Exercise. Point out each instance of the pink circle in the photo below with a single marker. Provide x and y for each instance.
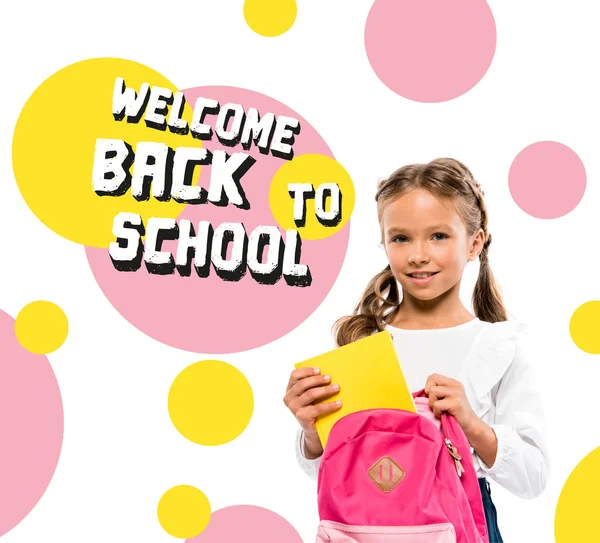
(208, 314)
(247, 523)
(430, 50)
(547, 180)
(31, 426)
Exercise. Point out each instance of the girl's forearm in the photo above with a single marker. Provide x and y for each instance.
(483, 439)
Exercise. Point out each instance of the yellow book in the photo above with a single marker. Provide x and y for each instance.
(369, 375)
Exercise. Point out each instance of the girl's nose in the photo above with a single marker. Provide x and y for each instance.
(418, 255)
(418, 259)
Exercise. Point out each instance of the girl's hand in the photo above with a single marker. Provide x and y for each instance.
(447, 394)
(306, 386)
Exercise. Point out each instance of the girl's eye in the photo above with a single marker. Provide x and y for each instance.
(401, 239)
(439, 236)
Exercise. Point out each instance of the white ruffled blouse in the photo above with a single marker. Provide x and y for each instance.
(492, 362)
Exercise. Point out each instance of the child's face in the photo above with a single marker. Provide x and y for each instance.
(422, 233)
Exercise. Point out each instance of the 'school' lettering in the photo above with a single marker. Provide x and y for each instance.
(208, 246)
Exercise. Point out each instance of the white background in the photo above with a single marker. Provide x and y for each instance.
(120, 450)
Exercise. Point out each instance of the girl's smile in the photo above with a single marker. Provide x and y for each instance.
(422, 278)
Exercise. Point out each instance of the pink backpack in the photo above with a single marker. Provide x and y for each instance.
(389, 475)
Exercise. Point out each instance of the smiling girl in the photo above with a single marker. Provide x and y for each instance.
(433, 222)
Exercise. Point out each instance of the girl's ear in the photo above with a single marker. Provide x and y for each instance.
(477, 241)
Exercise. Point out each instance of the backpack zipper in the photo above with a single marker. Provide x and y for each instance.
(456, 456)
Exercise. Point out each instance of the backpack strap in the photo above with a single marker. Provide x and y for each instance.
(451, 430)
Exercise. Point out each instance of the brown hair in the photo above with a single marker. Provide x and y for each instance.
(447, 179)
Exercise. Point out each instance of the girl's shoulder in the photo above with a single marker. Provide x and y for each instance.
(508, 333)
(495, 350)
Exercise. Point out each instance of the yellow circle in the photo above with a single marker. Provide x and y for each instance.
(312, 170)
(270, 17)
(41, 327)
(585, 327)
(211, 402)
(184, 511)
(577, 508)
(54, 144)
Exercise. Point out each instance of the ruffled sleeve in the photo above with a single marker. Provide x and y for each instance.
(501, 376)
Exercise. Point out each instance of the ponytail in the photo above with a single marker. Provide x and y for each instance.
(372, 312)
(487, 300)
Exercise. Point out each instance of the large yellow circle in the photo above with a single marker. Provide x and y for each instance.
(311, 169)
(270, 17)
(54, 142)
(211, 402)
(41, 327)
(585, 327)
(577, 508)
(184, 511)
